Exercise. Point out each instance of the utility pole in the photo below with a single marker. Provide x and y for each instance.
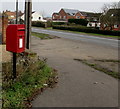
(14, 54)
(28, 16)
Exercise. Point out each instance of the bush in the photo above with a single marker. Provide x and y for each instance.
(38, 24)
(58, 23)
(87, 30)
(49, 24)
(83, 22)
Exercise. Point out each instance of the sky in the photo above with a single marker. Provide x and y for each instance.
(47, 7)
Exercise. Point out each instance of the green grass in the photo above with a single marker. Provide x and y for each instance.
(100, 68)
(16, 93)
(40, 35)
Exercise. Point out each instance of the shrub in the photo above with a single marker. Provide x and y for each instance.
(49, 24)
(58, 23)
(38, 24)
(83, 22)
(87, 30)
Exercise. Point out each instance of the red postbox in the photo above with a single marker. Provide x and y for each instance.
(15, 38)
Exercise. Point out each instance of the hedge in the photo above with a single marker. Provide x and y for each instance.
(58, 23)
(87, 30)
(38, 24)
(83, 22)
(46, 24)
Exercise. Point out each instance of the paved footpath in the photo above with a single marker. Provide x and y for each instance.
(79, 85)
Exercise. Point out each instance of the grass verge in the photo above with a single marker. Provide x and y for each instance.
(33, 75)
(101, 68)
(43, 36)
(40, 35)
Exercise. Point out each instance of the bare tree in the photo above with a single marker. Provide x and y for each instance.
(110, 15)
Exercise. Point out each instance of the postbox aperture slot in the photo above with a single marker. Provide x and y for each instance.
(21, 29)
(20, 36)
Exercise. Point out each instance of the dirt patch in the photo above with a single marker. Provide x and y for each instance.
(107, 66)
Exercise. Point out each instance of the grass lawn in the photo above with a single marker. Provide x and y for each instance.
(33, 75)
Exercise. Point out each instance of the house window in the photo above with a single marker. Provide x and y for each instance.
(64, 17)
(115, 26)
(53, 17)
(39, 18)
(77, 17)
(12, 16)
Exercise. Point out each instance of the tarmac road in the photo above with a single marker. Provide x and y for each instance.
(79, 85)
(82, 37)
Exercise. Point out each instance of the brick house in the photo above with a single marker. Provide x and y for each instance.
(65, 14)
(111, 20)
(12, 16)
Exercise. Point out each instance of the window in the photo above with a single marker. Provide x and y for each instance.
(53, 17)
(64, 17)
(77, 17)
(12, 16)
(39, 18)
(115, 26)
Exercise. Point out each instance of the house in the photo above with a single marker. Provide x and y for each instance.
(65, 14)
(12, 16)
(93, 19)
(35, 17)
(110, 20)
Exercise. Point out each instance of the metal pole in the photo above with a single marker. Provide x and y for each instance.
(28, 29)
(25, 20)
(14, 54)
(16, 11)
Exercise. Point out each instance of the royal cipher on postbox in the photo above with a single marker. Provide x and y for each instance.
(15, 38)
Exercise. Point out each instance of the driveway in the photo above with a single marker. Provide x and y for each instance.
(79, 85)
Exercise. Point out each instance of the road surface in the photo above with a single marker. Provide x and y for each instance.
(85, 38)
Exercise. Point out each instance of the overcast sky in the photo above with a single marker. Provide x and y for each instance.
(47, 8)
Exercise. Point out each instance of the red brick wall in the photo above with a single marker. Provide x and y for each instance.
(55, 17)
(4, 26)
(81, 17)
(63, 14)
(0, 24)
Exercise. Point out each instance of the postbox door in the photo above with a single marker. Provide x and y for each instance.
(21, 39)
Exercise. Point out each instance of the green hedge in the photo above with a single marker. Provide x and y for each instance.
(87, 30)
(83, 22)
(38, 24)
(58, 23)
